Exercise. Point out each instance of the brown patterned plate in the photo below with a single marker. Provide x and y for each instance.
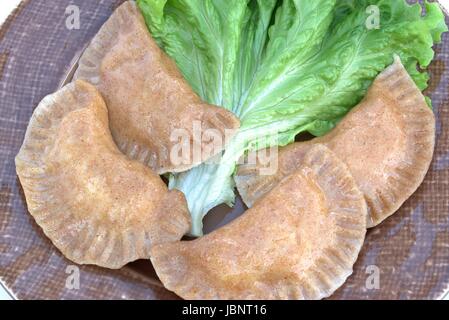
(410, 251)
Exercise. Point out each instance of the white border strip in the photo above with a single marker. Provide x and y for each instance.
(6, 7)
(6, 293)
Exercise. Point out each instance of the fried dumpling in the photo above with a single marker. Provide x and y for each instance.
(300, 241)
(387, 142)
(152, 109)
(96, 205)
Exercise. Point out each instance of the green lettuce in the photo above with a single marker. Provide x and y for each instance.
(283, 67)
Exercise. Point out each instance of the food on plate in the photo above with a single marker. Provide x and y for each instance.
(95, 205)
(145, 101)
(284, 67)
(387, 141)
(149, 100)
(300, 241)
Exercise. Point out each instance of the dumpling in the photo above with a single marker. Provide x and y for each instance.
(300, 241)
(96, 206)
(155, 117)
(387, 142)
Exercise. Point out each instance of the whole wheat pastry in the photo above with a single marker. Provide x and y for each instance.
(95, 204)
(155, 117)
(387, 141)
(299, 241)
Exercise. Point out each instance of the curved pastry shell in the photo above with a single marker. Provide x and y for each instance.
(95, 205)
(387, 141)
(300, 241)
(153, 111)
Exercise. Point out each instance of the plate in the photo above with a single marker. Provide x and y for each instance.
(407, 257)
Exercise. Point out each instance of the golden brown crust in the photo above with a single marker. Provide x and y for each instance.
(252, 185)
(147, 97)
(300, 241)
(387, 141)
(96, 205)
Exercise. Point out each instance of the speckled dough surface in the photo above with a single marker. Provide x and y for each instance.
(145, 111)
(94, 203)
(387, 141)
(299, 241)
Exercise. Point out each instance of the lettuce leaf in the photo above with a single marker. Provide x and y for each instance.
(284, 67)
(216, 44)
